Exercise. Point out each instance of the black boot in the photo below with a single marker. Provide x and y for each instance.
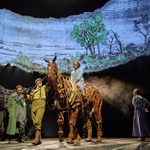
(21, 132)
(3, 137)
(141, 139)
(9, 138)
(20, 139)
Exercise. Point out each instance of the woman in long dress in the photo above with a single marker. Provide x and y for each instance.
(141, 124)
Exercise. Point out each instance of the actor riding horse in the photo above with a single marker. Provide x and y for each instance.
(68, 97)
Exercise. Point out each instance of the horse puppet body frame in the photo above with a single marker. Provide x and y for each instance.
(68, 97)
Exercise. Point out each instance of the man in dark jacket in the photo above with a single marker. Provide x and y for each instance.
(2, 117)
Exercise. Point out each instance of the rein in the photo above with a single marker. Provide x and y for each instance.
(62, 86)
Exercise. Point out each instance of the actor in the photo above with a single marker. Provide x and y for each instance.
(141, 124)
(77, 77)
(3, 113)
(17, 113)
(38, 97)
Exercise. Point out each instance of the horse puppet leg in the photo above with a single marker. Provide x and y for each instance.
(98, 118)
(60, 122)
(72, 127)
(89, 129)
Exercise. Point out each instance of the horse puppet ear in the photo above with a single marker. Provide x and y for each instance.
(54, 59)
(47, 60)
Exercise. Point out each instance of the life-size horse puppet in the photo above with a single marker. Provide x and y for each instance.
(68, 97)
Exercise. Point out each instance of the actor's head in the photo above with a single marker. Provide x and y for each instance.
(136, 91)
(76, 65)
(38, 82)
(19, 89)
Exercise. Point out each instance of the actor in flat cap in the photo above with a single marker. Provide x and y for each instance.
(38, 97)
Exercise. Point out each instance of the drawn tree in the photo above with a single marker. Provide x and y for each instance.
(89, 33)
(118, 43)
(112, 41)
(109, 41)
(142, 25)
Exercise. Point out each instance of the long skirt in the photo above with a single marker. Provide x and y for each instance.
(141, 124)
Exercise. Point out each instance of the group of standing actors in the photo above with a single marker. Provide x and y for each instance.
(17, 109)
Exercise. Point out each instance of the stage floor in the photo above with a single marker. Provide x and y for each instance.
(107, 144)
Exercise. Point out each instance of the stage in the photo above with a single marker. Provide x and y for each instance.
(107, 144)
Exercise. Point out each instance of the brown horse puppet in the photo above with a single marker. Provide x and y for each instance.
(68, 97)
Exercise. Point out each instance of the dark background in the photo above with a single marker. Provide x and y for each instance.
(51, 8)
(115, 123)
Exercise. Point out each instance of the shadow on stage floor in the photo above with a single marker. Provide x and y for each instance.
(106, 144)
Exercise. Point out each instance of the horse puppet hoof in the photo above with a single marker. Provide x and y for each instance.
(97, 142)
(76, 143)
(87, 140)
(69, 142)
(37, 142)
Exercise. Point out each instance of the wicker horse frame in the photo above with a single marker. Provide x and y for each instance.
(68, 97)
